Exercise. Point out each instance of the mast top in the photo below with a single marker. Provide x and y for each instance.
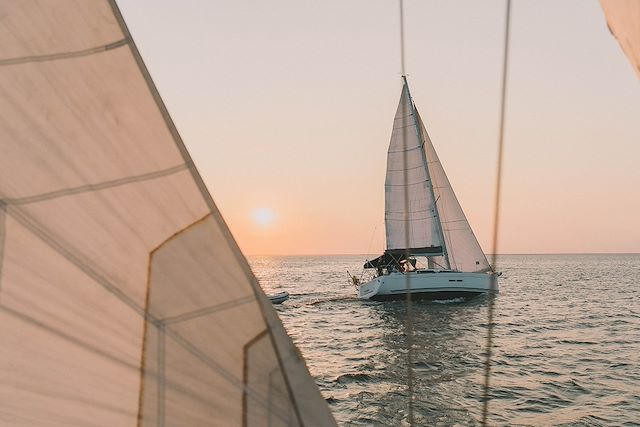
(406, 86)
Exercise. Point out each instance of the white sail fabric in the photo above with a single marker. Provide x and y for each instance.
(124, 299)
(462, 247)
(420, 215)
(623, 19)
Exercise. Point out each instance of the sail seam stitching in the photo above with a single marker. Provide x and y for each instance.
(207, 310)
(403, 151)
(407, 169)
(403, 127)
(2, 234)
(245, 369)
(416, 211)
(65, 55)
(408, 184)
(96, 187)
(410, 219)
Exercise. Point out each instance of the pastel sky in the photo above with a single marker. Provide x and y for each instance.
(286, 107)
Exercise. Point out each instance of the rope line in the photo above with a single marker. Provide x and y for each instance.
(496, 220)
(402, 42)
(405, 174)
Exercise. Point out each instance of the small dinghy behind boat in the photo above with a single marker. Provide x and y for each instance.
(279, 298)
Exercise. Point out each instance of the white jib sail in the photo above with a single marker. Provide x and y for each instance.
(421, 214)
(124, 299)
(463, 250)
(623, 19)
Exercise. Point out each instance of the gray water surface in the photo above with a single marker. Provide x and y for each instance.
(566, 346)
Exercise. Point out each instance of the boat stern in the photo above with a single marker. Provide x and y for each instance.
(369, 289)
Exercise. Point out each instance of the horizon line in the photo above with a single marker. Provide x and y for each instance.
(499, 254)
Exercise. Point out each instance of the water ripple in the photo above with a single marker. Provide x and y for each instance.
(566, 348)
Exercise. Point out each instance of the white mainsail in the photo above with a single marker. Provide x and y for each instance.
(463, 250)
(124, 299)
(623, 19)
(421, 215)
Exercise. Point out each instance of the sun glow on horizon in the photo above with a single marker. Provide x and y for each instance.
(263, 217)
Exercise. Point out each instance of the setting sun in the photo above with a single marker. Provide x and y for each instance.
(264, 217)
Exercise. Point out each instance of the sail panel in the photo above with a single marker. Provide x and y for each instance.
(74, 146)
(463, 250)
(623, 19)
(420, 213)
(124, 299)
(61, 27)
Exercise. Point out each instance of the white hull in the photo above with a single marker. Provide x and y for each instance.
(427, 284)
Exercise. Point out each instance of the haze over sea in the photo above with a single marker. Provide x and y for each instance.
(566, 345)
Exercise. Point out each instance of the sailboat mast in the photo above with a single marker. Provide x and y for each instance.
(426, 167)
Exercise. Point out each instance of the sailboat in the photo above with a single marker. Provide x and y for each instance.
(431, 252)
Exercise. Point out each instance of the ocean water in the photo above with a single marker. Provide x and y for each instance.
(566, 344)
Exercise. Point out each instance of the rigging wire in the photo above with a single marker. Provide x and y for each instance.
(409, 320)
(402, 37)
(368, 253)
(373, 236)
(490, 307)
(496, 220)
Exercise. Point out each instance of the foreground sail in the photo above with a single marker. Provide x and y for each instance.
(424, 221)
(623, 19)
(124, 299)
